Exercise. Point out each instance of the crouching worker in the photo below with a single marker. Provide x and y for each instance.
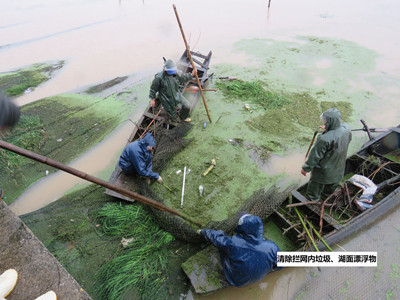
(137, 158)
(245, 257)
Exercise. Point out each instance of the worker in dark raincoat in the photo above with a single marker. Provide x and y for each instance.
(137, 158)
(9, 113)
(245, 257)
(9, 116)
(327, 159)
(165, 85)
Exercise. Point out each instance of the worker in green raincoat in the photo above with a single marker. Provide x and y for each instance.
(327, 159)
(165, 85)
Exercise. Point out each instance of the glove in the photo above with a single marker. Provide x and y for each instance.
(159, 179)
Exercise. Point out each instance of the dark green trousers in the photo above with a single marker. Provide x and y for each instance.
(318, 191)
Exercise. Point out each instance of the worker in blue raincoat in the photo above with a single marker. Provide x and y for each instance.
(245, 257)
(137, 158)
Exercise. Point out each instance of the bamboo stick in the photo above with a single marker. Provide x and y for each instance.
(141, 136)
(305, 227)
(183, 185)
(191, 61)
(319, 236)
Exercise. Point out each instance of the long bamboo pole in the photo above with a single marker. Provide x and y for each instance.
(80, 174)
(191, 61)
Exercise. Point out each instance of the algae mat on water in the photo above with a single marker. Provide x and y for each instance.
(25, 80)
(60, 128)
(233, 139)
(300, 79)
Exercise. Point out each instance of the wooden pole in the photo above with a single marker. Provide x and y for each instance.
(144, 132)
(366, 129)
(80, 174)
(191, 61)
(312, 142)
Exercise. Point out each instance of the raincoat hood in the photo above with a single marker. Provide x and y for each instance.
(246, 257)
(333, 119)
(136, 159)
(250, 228)
(148, 140)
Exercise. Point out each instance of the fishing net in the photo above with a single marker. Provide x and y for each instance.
(169, 142)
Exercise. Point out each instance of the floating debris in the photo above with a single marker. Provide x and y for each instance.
(201, 190)
(125, 242)
(247, 107)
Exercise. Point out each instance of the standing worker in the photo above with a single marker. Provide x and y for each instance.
(327, 159)
(9, 113)
(245, 257)
(165, 85)
(9, 116)
(137, 158)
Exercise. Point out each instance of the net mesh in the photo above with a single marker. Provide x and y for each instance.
(170, 142)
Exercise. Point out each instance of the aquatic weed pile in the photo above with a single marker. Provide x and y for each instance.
(254, 92)
(140, 265)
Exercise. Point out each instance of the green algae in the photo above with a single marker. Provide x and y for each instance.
(291, 67)
(85, 121)
(17, 82)
(274, 233)
(83, 230)
(67, 229)
(236, 141)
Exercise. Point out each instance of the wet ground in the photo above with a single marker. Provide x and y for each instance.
(333, 49)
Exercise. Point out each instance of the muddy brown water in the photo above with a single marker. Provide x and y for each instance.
(101, 40)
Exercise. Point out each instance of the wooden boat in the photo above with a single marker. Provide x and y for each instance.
(152, 117)
(378, 159)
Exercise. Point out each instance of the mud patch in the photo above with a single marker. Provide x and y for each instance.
(103, 86)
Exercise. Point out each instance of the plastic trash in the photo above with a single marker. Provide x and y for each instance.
(247, 107)
(362, 205)
(369, 189)
(201, 190)
(178, 172)
(204, 125)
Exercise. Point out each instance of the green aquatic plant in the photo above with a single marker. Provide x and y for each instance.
(137, 267)
(254, 92)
